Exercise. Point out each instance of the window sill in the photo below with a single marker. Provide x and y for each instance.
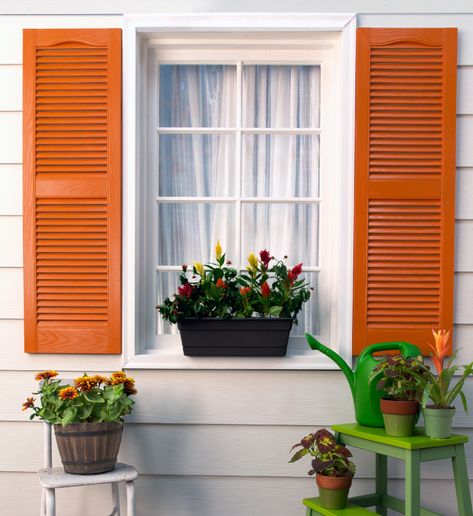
(156, 360)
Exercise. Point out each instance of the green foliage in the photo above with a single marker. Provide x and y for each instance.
(268, 288)
(91, 399)
(438, 387)
(330, 458)
(402, 378)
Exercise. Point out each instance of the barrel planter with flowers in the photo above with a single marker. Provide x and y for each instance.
(87, 417)
(223, 312)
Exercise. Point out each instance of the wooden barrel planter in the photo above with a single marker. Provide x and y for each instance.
(88, 448)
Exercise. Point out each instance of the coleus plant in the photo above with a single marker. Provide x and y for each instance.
(267, 288)
(401, 378)
(330, 458)
(91, 399)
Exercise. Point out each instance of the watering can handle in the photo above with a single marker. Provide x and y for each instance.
(405, 348)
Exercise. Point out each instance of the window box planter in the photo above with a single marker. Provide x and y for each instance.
(249, 337)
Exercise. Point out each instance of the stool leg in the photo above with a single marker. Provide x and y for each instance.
(412, 507)
(116, 499)
(50, 502)
(381, 481)
(130, 498)
(462, 483)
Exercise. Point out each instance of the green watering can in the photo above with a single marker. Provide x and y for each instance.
(363, 388)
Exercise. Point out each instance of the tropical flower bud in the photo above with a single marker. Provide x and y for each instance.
(265, 257)
(265, 290)
(218, 250)
(253, 262)
(220, 283)
(185, 290)
(199, 268)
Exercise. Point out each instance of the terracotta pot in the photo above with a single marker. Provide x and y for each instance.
(399, 416)
(88, 448)
(333, 491)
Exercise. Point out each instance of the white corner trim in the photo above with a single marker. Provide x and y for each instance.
(240, 21)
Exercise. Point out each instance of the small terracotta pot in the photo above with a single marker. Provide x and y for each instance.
(333, 491)
(399, 416)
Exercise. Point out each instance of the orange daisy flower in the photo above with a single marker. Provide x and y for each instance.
(45, 375)
(129, 386)
(29, 403)
(117, 377)
(68, 393)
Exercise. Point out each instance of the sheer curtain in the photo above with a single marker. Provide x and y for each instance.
(273, 166)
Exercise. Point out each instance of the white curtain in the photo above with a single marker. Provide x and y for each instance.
(204, 165)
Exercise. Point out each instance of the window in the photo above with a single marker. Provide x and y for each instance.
(239, 138)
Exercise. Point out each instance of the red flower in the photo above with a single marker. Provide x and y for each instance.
(265, 290)
(292, 277)
(265, 257)
(244, 290)
(185, 290)
(297, 269)
(220, 283)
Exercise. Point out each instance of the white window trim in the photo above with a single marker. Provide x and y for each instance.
(280, 22)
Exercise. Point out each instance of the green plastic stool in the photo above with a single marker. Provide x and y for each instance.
(412, 450)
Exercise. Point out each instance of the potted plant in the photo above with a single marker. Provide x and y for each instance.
(223, 312)
(334, 471)
(87, 417)
(438, 417)
(402, 381)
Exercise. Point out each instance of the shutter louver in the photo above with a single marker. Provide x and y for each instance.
(404, 185)
(72, 190)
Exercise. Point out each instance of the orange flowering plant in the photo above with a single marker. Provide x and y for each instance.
(91, 399)
(267, 288)
(438, 387)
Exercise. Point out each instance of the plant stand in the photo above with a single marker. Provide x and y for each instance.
(412, 450)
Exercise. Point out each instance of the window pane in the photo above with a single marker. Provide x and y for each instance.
(308, 317)
(284, 229)
(166, 285)
(197, 95)
(196, 165)
(280, 165)
(281, 96)
(189, 232)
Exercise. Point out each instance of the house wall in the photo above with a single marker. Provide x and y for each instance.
(206, 442)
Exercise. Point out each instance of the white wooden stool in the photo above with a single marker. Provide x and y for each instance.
(56, 478)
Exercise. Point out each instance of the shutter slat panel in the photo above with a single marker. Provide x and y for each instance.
(72, 106)
(405, 166)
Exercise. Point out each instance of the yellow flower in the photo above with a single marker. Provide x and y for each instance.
(253, 262)
(45, 375)
(218, 250)
(199, 268)
(68, 393)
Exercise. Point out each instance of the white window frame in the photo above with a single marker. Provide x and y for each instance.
(341, 298)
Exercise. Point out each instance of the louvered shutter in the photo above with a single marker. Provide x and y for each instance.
(72, 190)
(404, 184)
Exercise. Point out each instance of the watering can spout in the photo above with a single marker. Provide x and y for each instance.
(346, 369)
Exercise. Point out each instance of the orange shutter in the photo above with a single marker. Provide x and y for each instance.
(72, 190)
(404, 184)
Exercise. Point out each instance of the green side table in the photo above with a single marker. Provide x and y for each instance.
(412, 450)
